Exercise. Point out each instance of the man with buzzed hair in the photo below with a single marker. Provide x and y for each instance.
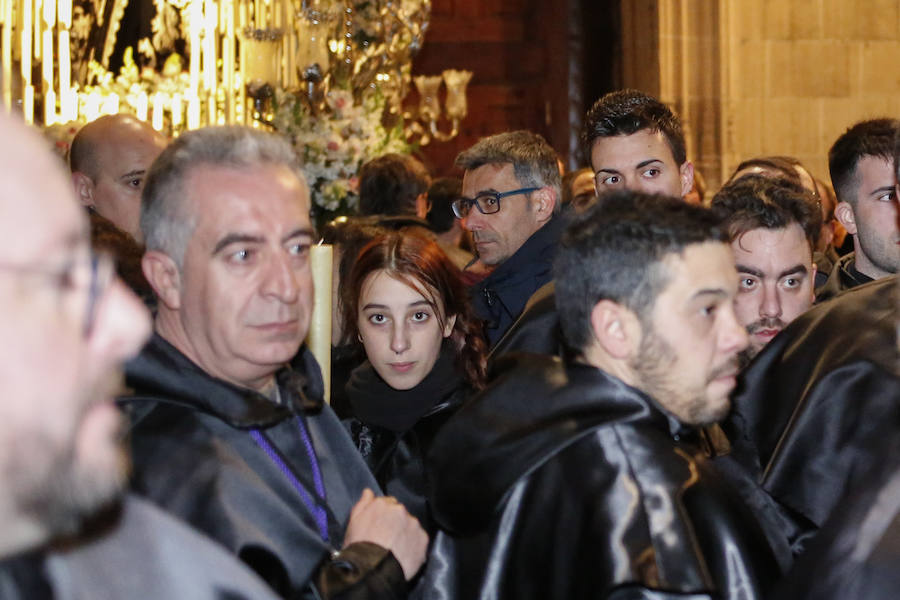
(230, 431)
(862, 172)
(585, 478)
(109, 159)
(636, 142)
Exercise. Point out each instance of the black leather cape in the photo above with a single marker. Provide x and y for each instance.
(563, 482)
(500, 297)
(857, 551)
(810, 405)
(194, 456)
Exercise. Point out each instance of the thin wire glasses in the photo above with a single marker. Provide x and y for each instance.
(94, 274)
(487, 202)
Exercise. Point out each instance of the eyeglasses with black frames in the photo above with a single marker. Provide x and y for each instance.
(487, 202)
(94, 273)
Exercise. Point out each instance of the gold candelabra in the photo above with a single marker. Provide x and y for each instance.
(238, 52)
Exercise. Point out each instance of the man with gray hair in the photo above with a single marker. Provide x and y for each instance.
(226, 433)
(511, 191)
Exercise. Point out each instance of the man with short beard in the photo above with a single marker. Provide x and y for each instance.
(862, 166)
(772, 227)
(587, 479)
(68, 325)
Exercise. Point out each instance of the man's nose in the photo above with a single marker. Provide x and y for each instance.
(121, 327)
(280, 279)
(770, 307)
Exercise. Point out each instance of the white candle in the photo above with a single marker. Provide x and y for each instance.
(92, 106)
(7, 53)
(176, 111)
(228, 60)
(319, 338)
(26, 45)
(196, 49)
(65, 13)
(110, 105)
(47, 63)
(65, 64)
(193, 116)
(49, 15)
(49, 107)
(141, 107)
(37, 29)
(158, 107)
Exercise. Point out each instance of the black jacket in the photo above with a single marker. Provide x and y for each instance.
(195, 454)
(500, 297)
(809, 406)
(566, 483)
(394, 429)
(843, 276)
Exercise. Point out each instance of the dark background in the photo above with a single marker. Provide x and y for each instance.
(537, 65)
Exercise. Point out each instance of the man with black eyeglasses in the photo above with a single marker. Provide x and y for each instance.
(510, 197)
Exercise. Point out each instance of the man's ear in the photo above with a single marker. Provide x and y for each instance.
(84, 188)
(843, 212)
(686, 172)
(544, 201)
(164, 277)
(616, 328)
(423, 205)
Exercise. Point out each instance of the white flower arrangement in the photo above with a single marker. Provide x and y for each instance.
(332, 144)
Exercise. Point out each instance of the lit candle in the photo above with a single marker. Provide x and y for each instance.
(193, 116)
(7, 52)
(92, 106)
(49, 15)
(28, 104)
(110, 105)
(196, 49)
(158, 108)
(49, 107)
(26, 45)
(37, 29)
(47, 63)
(228, 60)
(64, 12)
(319, 338)
(141, 106)
(176, 111)
(65, 70)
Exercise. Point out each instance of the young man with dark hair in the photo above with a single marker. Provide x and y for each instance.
(636, 142)
(772, 228)
(862, 171)
(394, 185)
(596, 462)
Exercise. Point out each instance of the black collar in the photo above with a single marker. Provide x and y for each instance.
(163, 374)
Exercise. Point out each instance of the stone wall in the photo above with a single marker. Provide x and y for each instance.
(755, 77)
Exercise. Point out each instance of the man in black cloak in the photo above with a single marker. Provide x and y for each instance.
(588, 478)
